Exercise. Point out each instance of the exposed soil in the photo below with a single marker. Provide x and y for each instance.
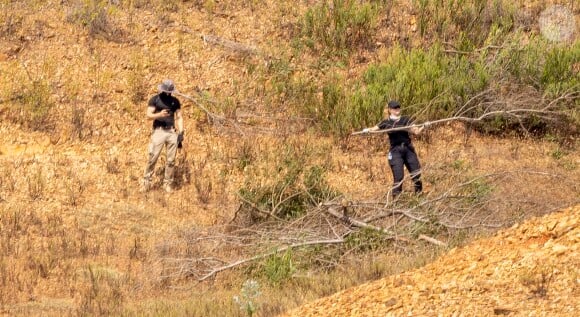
(531, 269)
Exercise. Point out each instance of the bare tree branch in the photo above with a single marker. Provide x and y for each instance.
(358, 223)
(265, 255)
(430, 218)
(211, 115)
(492, 103)
(432, 240)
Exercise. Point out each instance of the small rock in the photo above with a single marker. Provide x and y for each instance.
(559, 249)
(502, 311)
(391, 302)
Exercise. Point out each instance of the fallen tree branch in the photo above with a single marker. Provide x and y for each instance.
(360, 224)
(255, 207)
(515, 107)
(512, 113)
(212, 115)
(265, 255)
(432, 240)
(357, 223)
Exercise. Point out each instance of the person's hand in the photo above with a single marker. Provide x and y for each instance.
(366, 130)
(164, 113)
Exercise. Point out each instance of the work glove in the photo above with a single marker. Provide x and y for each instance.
(180, 140)
(427, 124)
(366, 130)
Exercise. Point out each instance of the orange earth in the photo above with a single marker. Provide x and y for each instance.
(530, 269)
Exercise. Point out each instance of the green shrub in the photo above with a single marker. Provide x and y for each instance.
(283, 197)
(550, 70)
(37, 103)
(337, 27)
(558, 75)
(295, 187)
(279, 267)
(96, 17)
(317, 188)
(540, 64)
(469, 21)
(249, 297)
(431, 85)
(435, 84)
(366, 239)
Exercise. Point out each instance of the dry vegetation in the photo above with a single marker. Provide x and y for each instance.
(264, 166)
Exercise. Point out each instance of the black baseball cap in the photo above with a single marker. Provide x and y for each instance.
(393, 104)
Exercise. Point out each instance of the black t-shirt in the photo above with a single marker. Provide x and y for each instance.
(161, 102)
(397, 137)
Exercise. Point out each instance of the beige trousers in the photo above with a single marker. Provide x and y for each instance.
(159, 138)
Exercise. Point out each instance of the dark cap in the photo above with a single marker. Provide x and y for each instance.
(393, 104)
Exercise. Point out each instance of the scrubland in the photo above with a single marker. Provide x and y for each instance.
(276, 203)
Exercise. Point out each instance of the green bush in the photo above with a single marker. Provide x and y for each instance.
(295, 188)
(367, 239)
(37, 104)
(431, 85)
(96, 17)
(317, 188)
(434, 83)
(279, 267)
(550, 70)
(557, 72)
(470, 21)
(337, 27)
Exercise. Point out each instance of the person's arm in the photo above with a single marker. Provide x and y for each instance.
(152, 115)
(375, 128)
(179, 121)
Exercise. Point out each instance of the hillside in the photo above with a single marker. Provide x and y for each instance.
(264, 160)
(529, 269)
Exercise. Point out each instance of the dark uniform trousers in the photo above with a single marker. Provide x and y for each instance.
(404, 155)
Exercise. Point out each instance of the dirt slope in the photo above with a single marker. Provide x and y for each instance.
(531, 269)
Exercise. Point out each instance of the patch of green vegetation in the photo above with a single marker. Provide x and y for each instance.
(278, 268)
(557, 154)
(478, 190)
(367, 239)
(334, 28)
(37, 104)
(292, 191)
(471, 21)
(91, 14)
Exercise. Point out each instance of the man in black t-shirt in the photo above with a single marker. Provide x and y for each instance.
(402, 153)
(165, 111)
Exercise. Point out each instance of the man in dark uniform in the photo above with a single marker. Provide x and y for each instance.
(165, 111)
(402, 153)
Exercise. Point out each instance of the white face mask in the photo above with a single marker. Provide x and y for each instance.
(394, 117)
